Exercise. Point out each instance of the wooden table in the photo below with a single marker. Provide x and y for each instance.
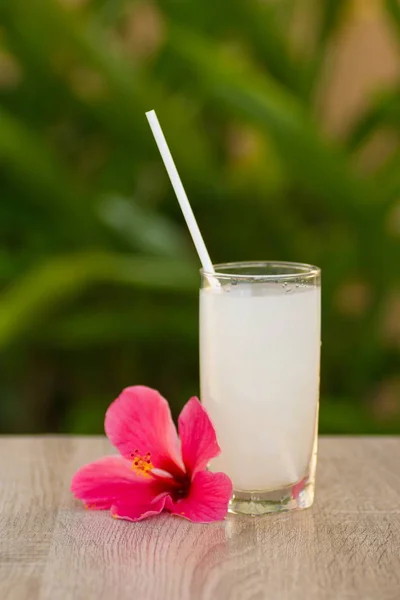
(346, 546)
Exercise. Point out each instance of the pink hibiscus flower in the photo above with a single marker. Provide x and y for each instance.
(156, 471)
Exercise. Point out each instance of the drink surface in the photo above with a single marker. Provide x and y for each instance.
(259, 367)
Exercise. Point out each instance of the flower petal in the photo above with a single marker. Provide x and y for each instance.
(139, 422)
(110, 480)
(208, 498)
(198, 437)
(137, 512)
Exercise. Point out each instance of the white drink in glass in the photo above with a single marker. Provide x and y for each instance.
(259, 356)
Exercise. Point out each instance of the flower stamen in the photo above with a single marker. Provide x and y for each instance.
(142, 465)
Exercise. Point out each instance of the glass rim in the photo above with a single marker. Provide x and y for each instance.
(299, 270)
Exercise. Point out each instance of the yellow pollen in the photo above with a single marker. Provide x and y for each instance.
(142, 465)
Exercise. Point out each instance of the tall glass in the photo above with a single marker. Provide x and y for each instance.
(259, 372)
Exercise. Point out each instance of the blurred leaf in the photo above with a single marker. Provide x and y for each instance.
(393, 8)
(320, 168)
(259, 27)
(347, 417)
(82, 55)
(332, 14)
(388, 180)
(145, 230)
(52, 284)
(26, 155)
(252, 27)
(34, 168)
(104, 327)
(108, 11)
(384, 111)
(22, 153)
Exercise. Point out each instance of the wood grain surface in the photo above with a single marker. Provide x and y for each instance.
(346, 546)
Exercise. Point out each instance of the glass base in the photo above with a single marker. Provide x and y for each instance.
(259, 502)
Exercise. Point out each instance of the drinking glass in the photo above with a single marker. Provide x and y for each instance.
(259, 374)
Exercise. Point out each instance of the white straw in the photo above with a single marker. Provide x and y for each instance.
(180, 192)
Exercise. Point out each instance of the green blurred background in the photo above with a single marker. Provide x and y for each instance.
(283, 117)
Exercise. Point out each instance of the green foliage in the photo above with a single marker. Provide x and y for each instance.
(98, 276)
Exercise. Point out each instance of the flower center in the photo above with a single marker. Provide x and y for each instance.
(182, 489)
(142, 465)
